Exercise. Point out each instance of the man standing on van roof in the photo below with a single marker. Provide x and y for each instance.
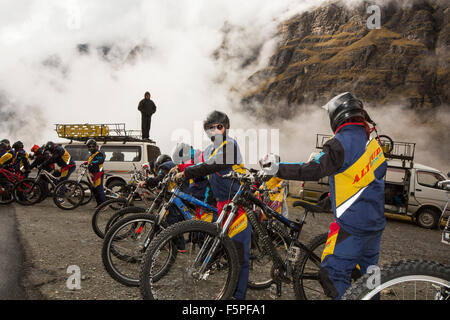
(147, 108)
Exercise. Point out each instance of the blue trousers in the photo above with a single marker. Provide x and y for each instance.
(342, 254)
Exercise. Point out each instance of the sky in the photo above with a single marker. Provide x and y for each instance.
(46, 79)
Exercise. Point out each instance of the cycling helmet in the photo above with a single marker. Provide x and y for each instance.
(270, 163)
(161, 159)
(146, 168)
(92, 142)
(182, 153)
(6, 141)
(17, 145)
(35, 148)
(3, 146)
(49, 145)
(343, 107)
(216, 117)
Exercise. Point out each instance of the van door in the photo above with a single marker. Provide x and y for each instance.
(426, 190)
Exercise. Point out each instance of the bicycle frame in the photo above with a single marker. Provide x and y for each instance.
(11, 176)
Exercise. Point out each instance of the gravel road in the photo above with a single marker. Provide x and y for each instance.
(54, 240)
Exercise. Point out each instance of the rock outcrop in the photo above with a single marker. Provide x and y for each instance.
(331, 49)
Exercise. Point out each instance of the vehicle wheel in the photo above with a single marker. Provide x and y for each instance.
(407, 280)
(27, 192)
(427, 218)
(117, 187)
(122, 213)
(68, 195)
(88, 193)
(306, 271)
(184, 280)
(104, 212)
(387, 144)
(124, 248)
(6, 192)
(260, 261)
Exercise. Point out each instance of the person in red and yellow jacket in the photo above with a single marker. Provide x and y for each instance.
(95, 167)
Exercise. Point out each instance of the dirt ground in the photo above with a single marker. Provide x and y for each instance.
(54, 239)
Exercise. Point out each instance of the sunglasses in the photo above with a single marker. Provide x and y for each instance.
(212, 127)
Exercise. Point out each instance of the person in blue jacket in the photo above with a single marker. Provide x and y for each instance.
(21, 162)
(95, 167)
(356, 166)
(220, 158)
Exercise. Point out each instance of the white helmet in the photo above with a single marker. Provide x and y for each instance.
(270, 163)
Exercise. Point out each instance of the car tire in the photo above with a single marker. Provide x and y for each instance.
(427, 218)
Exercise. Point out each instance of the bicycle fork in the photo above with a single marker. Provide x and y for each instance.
(200, 274)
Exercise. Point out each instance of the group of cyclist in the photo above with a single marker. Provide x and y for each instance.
(353, 161)
(53, 158)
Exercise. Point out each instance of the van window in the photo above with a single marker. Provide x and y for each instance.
(153, 152)
(122, 153)
(428, 179)
(395, 175)
(77, 152)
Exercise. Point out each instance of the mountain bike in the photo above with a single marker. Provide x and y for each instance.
(33, 190)
(209, 269)
(67, 194)
(403, 280)
(129, 237)
(101, 219)
(7, 181)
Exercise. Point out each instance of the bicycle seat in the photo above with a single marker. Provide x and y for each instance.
(321, 206)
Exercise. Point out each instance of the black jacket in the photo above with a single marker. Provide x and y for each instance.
(147, 107)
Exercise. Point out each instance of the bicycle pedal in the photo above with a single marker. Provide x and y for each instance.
(294, 253)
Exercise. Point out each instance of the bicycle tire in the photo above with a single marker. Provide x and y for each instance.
(387, 147)
(114, 267)
(7, 192)
(147, 281)
(314, 244)
(277, 235)
(120, 214)
(101, 209)
(87, 196)
(72, 202)
(400, 272)
(21, 187)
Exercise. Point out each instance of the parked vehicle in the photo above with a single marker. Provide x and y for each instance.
(411, 189)
(123, 148)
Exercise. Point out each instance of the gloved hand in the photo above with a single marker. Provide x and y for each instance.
(142, 184)
(179, 177)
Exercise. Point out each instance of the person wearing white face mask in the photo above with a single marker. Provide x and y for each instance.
(221, 157)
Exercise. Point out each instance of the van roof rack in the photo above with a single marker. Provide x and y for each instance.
(104, 132)
(400, 150)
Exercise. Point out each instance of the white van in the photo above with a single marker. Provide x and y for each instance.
(121, 157)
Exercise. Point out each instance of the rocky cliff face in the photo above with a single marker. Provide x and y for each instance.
(330, 50)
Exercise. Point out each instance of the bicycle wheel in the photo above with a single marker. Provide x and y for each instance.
(306, 271)
(405, 280)
(120, 214)
(184, 279)
(88, 193)
(260, 262)
(6, 192)
(124, 248)
(68, 195)
(104, 212)
(27, 192)
(387, 144)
